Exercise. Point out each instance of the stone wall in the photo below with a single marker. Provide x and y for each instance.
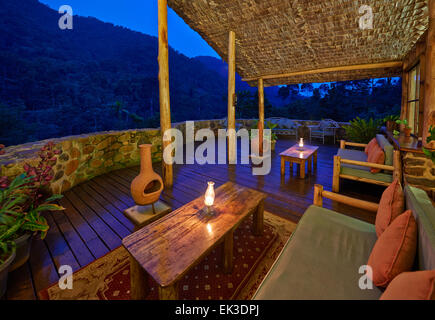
(419, 171)
(84, 157)
(87, 156)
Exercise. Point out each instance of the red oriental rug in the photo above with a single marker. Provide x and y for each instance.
(108, 278)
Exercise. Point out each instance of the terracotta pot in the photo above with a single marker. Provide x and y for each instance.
(407, 132)
(4, 270)
(23, 245)
(147, 186)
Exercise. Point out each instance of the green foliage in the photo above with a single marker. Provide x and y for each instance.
(403, 122)
(391, 117)
(361, 130)
(273, 137)
(396, 133)
(431, 137)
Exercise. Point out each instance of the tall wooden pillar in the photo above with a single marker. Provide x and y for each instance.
(231, 95)
(165, 106)
(260, 114)
(429, 100)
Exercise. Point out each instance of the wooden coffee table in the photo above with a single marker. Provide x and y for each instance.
(301, 157)
(168, 248)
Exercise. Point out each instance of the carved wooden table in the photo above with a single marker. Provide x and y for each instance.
(168, 248)
(301, 157)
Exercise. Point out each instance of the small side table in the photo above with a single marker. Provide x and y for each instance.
(308, 154)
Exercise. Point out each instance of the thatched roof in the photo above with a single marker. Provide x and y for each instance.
(286, 36)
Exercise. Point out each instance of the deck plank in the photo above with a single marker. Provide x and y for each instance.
(93, 223)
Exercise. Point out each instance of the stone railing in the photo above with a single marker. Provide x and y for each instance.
(86, 156)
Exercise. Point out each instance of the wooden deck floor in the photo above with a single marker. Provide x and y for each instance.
(93, 224)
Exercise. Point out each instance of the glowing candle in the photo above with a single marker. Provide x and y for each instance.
(301, 143)
(209, 195)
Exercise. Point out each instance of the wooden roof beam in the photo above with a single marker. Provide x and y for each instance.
(382, 65)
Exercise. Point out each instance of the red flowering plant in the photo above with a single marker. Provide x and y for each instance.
(23, 200)
(2, 151)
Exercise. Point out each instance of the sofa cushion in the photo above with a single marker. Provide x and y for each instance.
(355, 155)
(382, 177)
(376, 155)
(395, 250)
(418, 285)
(370, 145)
(424, 213)
(391, 206)
(387, 147)
(322, 259)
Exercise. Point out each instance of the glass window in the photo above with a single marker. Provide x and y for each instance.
(413, 99)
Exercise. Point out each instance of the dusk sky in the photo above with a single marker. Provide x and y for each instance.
(140, 15)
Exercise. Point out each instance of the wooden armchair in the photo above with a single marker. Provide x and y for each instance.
(350, 164)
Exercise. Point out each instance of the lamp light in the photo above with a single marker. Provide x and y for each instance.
(209, 196)
(301, 143)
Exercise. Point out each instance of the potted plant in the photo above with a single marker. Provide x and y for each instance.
(7, 256)
(431, 137)
(272, 137)
(390, 122)
(404, 127)
(34, 198)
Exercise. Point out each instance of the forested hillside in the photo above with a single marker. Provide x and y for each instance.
(103, 77)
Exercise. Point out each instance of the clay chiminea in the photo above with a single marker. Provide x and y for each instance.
(147, 186)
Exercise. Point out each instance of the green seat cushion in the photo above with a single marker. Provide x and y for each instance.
(383, 177)
(387, 147)
(355, 155)
(424, 213)
(322, 260)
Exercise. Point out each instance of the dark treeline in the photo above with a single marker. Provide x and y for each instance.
(100, 77)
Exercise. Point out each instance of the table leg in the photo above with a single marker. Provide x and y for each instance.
(302, 172)
(258, 218)
(228, 252)
(310, 164)
(291, 167)
(282, 166)
(138, 281)
(169, 293)
(315, 158)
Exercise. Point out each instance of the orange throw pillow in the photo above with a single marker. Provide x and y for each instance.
(391, 206)
(376, 155)
(370, 145)
(394, 251)
(419, 285)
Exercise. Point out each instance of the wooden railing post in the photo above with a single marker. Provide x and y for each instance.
(397, 164)
(260, 115)
(318, 198)
(336, 175)
(165, 107)
(342, 144)
(429, 100)
(232, 96)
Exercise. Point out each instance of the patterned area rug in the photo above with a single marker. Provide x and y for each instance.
(108, 278)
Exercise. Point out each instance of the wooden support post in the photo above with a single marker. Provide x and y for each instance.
(165, 107)
(429, 100)
(260, 114)
(397, 164)
(336, 175)
(318, 198)
(232, 96)
(404, 110)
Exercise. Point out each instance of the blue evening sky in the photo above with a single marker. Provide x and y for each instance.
(140, 15)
